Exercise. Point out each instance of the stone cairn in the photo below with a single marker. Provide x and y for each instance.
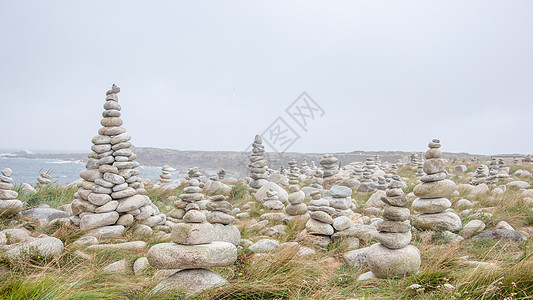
(367, 184)
(111, 192)
(221, 174)
(165, 177)
(393, 256)
(258, 165)
(294, 172)
(44, 179)
(420, 170)
(8, 198)
(329, 215)
(414, 160)
(480, 176)
(432, 192)
(296, 206)
(330, 165)
(194, 173)
(382, 183)
(304, 169)
(193, 249)
(394, 169)
(272, 201)
(219, 216)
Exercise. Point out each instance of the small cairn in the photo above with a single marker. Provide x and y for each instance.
(9, 205)
(367, 184)
(330, 165)
(304, 169)
(219, 216)
(44, 179)
(414, 160)
(221, 174)
(272, 201)
(480, 176)
(393, 256)
(294, 172)
(420, 170)
(165, 177)
(111, 194)
(194, 173)
(382, 183)
(192, 251)
(432, 192)
(329, 216)
(258, 165)
(504, 169)
(296, 206)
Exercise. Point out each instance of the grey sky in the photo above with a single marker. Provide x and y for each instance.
(209, 75)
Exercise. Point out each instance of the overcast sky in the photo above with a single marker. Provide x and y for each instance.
(209, 75)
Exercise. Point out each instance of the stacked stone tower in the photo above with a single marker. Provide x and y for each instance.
(393, 256)
(432, 192)
(8, 198)
(111, 192)
(258, 165)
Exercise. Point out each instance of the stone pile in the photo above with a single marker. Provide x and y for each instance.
(258, 165)
(432, 192)
(329, 215)
(194, 173)
(480, 176)
(420, 170)
(382, 183)
(44, 178)
(193, 249)
(165, 177)
(9, 204)
(393, 256)
(305, 169)
(330, 165)
(414, 160)
(219, 216)
(294, 172)
(296, 206)
(111, 193)
(367, 183)
(221, 174)
(394, 169)
(272, 201)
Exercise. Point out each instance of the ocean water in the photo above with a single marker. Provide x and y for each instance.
(64, 172)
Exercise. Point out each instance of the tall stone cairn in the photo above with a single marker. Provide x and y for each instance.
(258, 165)
(111, 192)
(294, 172)
(330, 165)
(480, 176)
(165, 177)
(193, 249)
(433, 192)
(9, 204)
(393, 256)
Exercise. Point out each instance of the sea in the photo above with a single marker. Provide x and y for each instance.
(26, 170)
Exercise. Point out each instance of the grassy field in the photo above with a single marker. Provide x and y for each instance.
(476, 269)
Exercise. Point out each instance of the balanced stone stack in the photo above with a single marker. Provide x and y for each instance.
(44, 179)
(111, 192)
(165, 177)
(420, 170)
(367, 184)
(480, 176)
(393, 256)
(382, 183)
(193, 249)
(219, 216)
(258, 165)
(330, 165)
(296, 206)
(9, 205)
(221, 174)
(304, 169)
(294, 172)
(394, 169)
(329, 215)
(414, 160)
(272, 201)
(432, 192)
(194, 173)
